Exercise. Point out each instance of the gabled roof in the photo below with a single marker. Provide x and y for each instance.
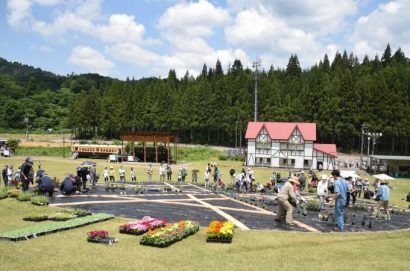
(281, 130)
(326, 148)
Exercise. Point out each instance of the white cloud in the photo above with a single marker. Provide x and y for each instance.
(90, 59)
(18, 12)
(259, 31)
(81, 19)
(47, 2)
(122, 28)
(389, 23)
(193, 18)
(41, 48)
(320, 17)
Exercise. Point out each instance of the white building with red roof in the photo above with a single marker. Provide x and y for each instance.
(287, 145)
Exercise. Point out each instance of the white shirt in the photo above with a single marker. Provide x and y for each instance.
(322, 188)
(121, 171)
(105, 173)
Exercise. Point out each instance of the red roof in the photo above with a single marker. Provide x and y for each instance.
(326, 148)
(281, 130)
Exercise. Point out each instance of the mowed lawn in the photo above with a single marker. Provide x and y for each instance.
(59, 167)
(250, 250)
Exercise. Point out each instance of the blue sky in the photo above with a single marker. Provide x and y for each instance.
(142, 38)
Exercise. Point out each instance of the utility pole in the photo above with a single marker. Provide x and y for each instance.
(256, 65)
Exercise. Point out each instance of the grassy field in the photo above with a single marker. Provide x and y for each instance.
(59, 167)
(250, 250)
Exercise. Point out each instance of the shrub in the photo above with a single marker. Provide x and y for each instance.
(36, 218)
(313, 205)
(14, 193)
(222, 157)
(312, 190)
(61, 217)
(39, 200)
(3, 194)
(77, 212)
(26, 196)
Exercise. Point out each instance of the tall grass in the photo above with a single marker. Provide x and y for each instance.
(44, 151)
(197, 153)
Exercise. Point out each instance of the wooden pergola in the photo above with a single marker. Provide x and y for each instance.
(155, 137)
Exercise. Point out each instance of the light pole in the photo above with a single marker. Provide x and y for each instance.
(256, 65)
(375, 137)
(368, 153)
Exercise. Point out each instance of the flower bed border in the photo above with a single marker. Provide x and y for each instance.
(38, 230)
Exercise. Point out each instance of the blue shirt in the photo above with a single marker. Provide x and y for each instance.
(384, 193)
(341, 187)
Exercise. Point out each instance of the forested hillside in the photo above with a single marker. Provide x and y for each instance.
(339, 95)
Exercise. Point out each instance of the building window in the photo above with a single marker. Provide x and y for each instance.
(306, 163)
(283, 162)
(292, 162)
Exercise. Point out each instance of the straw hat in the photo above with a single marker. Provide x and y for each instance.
(323, 177)
(294, 179)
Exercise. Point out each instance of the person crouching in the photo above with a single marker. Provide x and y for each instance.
(284, 196)
(68, 186)
(45, 184)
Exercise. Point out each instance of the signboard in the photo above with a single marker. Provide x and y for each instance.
(112, 157)
(130, 158)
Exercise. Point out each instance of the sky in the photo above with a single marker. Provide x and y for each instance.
(144, 38)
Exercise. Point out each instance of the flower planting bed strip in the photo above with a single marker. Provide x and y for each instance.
(38, 230)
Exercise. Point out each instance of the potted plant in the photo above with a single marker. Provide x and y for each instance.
(100, 236)
(220, 231)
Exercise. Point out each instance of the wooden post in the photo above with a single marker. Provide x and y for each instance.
(145, 153)
(156, 151)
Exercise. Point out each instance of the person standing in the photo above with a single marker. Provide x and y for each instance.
(10, 173)
(273, 179)
(322, 191)
(150, 171)
(25, 173)
(302, 181)
(121, 173)
(112, 174)
(4, 174)
(162, 172)
(284, 196)
(358, 187)
(133, 174)
(169, 172)
(106, 174)
(207, 174)
(93, 175)
(383, 194)
(341, 189)
(232, 174)
(195, 175)
(184, 173)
